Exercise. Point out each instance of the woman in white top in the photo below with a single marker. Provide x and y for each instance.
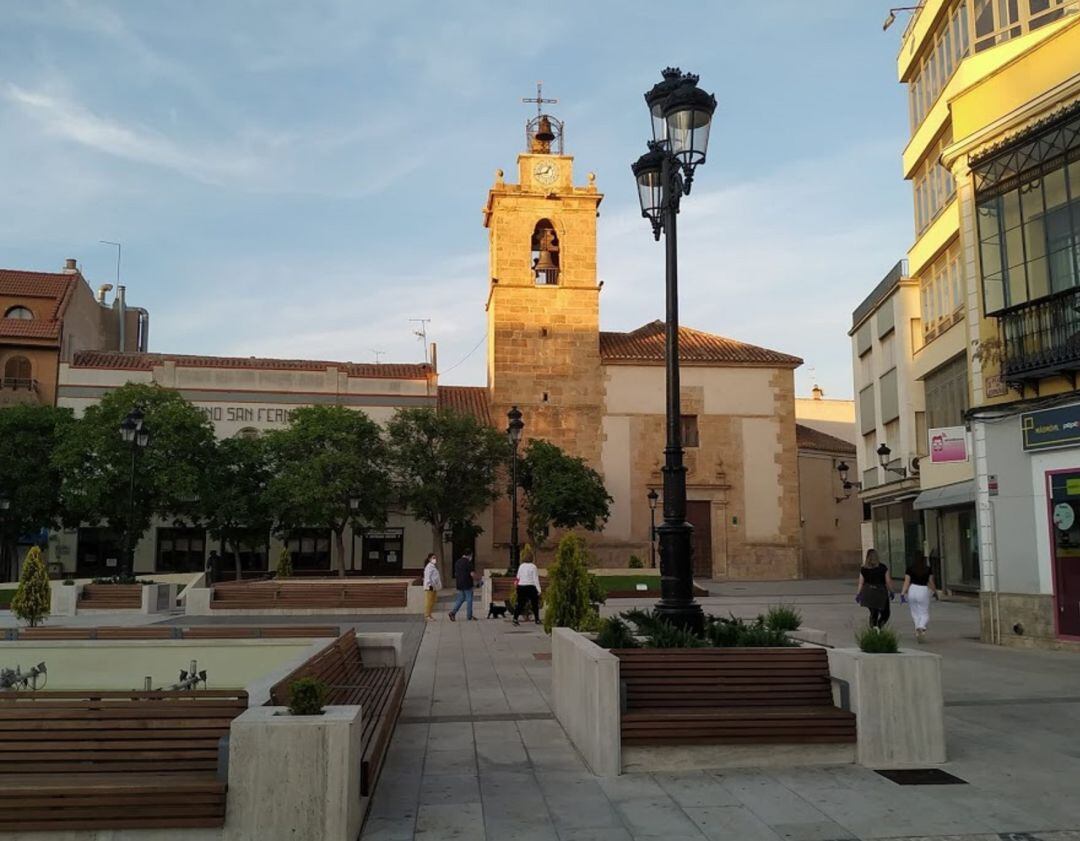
(528, 588)
(432, 585)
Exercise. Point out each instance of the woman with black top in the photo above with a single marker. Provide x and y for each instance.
(875, 589)
(918, 587)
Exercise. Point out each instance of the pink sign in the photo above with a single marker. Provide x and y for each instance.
(948, 444)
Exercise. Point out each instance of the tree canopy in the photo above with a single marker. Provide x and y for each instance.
(326, 457)
(235, 493)
(95, 464)
(445, 466)
(561, 491)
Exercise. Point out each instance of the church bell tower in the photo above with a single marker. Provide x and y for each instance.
(543, 305)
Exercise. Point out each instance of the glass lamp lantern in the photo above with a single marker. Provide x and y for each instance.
(688, 111)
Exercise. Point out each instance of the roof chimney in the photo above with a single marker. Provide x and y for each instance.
(71, 266)
(817, 392)
(102, 291)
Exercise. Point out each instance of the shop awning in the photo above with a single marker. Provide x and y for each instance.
(961, 493)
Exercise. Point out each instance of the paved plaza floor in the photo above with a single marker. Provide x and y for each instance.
(478, 754)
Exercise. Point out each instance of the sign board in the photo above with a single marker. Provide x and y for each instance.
(1048, 428)
(992, 484)
(995, 386)
(948, 444)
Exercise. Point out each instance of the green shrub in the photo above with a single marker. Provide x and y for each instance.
(69, 582)
(597, 590)
(759, 635)
(783, 618)
(645, 621)
(615, 633)
(666, 635)
(307, 696)
(877, 640)
(284, 564)
(723, 633)
(124, 578)
(33, 598)
(568, 593)
(636, 562)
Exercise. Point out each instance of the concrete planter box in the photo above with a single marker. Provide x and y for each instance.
(65, 597)
(197, 603)
(585, 688)
(293, 777)
(898, 704)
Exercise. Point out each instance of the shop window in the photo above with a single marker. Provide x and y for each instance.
(383, 552)
(181, 550)
(98, 552)
(309, 548)
(689, 430)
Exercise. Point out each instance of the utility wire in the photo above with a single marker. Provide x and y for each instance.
(465, 357)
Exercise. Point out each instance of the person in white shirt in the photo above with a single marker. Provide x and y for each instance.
(528, 588)
(432, 585)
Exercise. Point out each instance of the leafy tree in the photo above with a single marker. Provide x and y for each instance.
(445, 466)
(560, 490)
(566, 596)
(234, 497)
(95, 464)
(33, 598)
(29, 483)
(326, 457)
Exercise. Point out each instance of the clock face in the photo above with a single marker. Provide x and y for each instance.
(546, 172)
(1064, 516)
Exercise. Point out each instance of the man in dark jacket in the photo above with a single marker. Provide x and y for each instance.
(463, 580)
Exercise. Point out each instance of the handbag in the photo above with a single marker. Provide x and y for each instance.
(875, 597)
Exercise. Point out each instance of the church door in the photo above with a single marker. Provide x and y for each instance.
(699, 515)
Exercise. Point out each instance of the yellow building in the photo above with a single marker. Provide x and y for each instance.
(994, 158)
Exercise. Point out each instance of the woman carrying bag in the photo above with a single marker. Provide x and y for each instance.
(875, 589)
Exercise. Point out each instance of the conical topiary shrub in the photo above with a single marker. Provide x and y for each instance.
(284, 564)
(33, 599)
(566, 596)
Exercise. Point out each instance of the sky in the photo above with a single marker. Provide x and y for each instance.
(301, 179)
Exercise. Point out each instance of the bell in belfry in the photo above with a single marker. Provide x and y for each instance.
(546, 262)
(543, 130)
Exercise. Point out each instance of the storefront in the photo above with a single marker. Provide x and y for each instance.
(952, 535)
(898, 534)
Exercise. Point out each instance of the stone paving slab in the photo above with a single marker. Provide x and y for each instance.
(478, 754)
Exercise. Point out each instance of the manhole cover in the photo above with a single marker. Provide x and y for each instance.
(922, 777)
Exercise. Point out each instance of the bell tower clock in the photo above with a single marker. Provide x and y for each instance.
(543, 305)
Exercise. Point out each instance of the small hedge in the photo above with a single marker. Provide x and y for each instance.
(636, 562)
(783, 618)
(878, 640)
(307, 696)
(719, 632)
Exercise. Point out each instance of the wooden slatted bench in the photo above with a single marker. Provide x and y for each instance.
(730, 696)
(299, 595)
(378, 690)
(113, 760)
(207, 632)
(110, 597)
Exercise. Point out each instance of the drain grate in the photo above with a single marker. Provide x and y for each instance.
(922, 777)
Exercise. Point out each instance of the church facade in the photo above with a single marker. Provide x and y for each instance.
(600, 395)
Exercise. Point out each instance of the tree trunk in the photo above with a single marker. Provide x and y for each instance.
(236, 559)
(439, 548)
(339, 541)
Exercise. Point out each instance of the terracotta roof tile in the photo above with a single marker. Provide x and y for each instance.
(57, 287)
(807, 438)
(646, 345)
(467, 399)
(16, 328)
(147, 361)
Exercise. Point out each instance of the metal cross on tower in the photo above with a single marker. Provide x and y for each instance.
(539, 100)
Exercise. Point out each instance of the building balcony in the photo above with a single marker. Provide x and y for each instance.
(1041, 338)
(15, 391)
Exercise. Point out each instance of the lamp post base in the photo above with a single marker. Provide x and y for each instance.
(677, 604)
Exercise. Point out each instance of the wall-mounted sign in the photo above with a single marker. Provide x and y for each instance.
(1059, 427)
(994, 386)
(948, 444)
(992, 484)
(255, 415)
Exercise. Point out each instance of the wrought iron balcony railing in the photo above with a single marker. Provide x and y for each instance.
(1041, 338)
(18, 384)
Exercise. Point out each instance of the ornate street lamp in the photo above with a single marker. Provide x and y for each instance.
(883, 454)
(653, 497)
(513, 432)
(681, 114)
(842, 468)
(5, 506)
(135, 432)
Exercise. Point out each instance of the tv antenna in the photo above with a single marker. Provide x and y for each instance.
(378, 355)
(117, 245)
(421, 333)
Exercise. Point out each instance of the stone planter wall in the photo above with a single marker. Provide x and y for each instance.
(898, 704)
(585, 688)
(293, 777)
(65, 597)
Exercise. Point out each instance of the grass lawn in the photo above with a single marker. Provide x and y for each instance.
(630, 582)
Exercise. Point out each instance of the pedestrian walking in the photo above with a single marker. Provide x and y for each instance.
(918, 588)
(464, 580)
(432, 585)
(528, 589)
(875, 589)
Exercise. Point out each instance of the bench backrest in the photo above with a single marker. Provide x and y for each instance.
(382, 594)
(115, 732)
(339, 664)
(724, 677)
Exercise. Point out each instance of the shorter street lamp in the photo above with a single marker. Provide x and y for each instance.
(5, 504)
(842, 468)
(883, 453)
(134, 432)
(513, 431)
(653, 497)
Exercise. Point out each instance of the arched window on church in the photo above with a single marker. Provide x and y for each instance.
(545, 253)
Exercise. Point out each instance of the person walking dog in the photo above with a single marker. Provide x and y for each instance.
(432, 585)
(875, 589)
(528, 589)
(463, 580)
(919, 586)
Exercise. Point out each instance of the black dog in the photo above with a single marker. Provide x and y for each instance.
(496, 611)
